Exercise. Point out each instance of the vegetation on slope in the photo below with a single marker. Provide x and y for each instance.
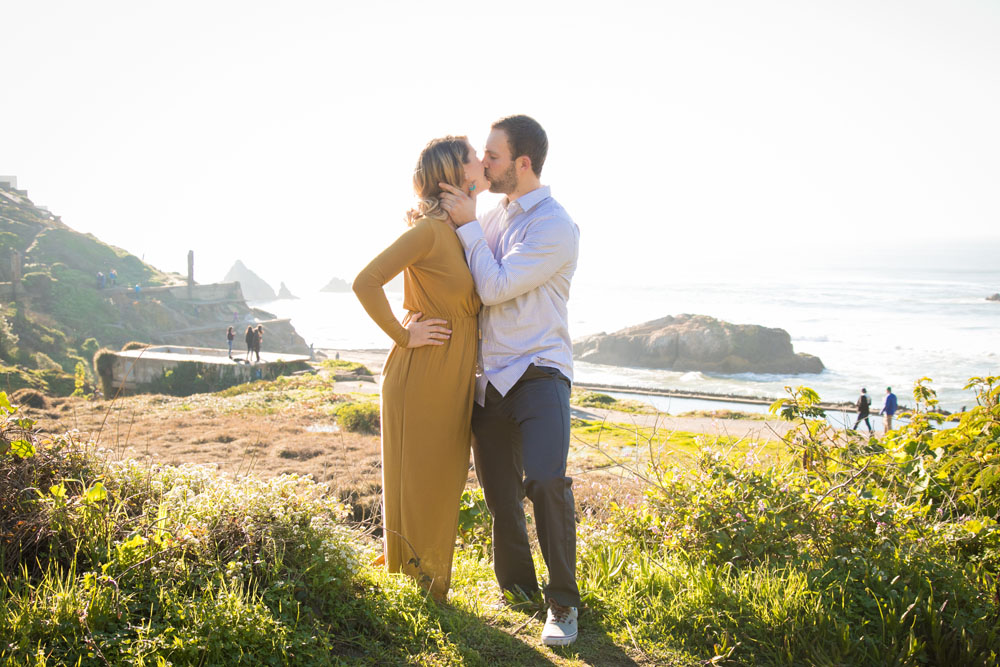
(853, 551)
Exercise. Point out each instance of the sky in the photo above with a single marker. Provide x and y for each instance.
(686, 138)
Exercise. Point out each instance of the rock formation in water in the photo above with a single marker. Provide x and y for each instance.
(994, 297)
(253, 286)
(698, 343)
(337, 285)
(285, 293)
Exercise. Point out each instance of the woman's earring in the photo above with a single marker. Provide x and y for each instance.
(472, 188)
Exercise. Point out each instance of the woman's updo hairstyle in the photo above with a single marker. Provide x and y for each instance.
(440, 162)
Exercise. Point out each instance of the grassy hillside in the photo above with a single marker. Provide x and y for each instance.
(845, 550)
(44, 332)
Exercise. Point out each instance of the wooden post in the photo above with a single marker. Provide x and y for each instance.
(190, 274)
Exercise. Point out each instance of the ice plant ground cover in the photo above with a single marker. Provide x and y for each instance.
(845, 550)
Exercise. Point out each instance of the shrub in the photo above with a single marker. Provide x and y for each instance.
(359, 417)
(38, 284)
(104, 362)
(44, 362)
(30, 397)
(89, 348)
(8, 339)
(475, 525)
(863, 533)
(134, 345)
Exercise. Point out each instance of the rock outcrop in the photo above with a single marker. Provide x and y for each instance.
(254, 287)
(285, 293)
(337, 285)
(994, 297)
(698, 343)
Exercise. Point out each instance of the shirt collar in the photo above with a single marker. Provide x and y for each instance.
(528, 201)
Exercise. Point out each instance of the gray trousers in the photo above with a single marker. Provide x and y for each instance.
(520, 442)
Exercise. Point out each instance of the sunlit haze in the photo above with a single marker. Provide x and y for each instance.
(686, 138)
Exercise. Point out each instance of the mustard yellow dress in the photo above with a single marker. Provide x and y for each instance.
(427, 395)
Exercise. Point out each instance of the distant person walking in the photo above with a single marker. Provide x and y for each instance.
(889, 408)
(249, 337)
(864, 409)
(258, 337)
(113, 277)
(230, 335)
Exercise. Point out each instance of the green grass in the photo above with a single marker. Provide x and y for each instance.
(263, 397)
(593, 399)
(725, 560)
(344, 367)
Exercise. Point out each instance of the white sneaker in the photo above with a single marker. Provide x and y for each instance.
(560, 625)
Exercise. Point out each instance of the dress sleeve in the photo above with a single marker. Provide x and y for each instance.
(409, 248)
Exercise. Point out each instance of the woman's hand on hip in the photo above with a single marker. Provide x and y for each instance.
(460, 206)
(426, 332)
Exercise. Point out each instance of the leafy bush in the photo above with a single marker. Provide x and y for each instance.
(38, 284)
(44, 362)
(122, 563)
(359, 417)
(134, 345)
(893, 534)
(89, 348)
(8, 339)
(30, 397)
(475, 525)
(104, 362)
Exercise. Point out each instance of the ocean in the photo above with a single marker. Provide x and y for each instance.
(874, 325)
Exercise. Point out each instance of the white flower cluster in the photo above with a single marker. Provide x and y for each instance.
(194, 498)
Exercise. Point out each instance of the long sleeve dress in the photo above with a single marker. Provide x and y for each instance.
(427, 395)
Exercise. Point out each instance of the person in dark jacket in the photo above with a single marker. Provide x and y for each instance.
(258, 336)
(864, 409)
(889, 408)
(230, 336)
(250, 336)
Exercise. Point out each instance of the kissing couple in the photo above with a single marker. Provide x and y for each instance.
(483, 358)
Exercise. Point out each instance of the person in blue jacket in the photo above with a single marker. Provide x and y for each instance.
(889, 408)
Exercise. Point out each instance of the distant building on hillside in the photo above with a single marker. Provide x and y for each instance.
(10, 181)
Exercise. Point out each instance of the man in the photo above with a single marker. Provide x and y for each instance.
(864, 405)
(889, 408)
(522, 256)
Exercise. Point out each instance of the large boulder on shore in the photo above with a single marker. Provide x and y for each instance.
(698, 343)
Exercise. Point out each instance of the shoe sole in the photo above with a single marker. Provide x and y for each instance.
(558, 641)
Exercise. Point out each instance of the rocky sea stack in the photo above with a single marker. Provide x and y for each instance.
(254, 287)
(337, 285)
(698, 343)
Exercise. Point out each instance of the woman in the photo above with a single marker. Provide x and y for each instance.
(230, 336)
(428, 378)
(249, 338)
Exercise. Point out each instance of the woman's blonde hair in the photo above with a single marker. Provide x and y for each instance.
(440, 162)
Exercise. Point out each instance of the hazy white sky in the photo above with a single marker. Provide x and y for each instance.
(683, 135)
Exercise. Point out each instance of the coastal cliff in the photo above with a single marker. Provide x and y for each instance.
(67, 293)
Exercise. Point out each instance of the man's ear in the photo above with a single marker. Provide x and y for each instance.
(523, 163)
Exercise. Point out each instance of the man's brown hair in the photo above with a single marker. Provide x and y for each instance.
(525, 137)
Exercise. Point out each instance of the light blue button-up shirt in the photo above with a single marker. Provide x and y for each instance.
(522, 259)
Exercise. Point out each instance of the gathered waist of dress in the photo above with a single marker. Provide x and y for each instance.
(449, 317)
